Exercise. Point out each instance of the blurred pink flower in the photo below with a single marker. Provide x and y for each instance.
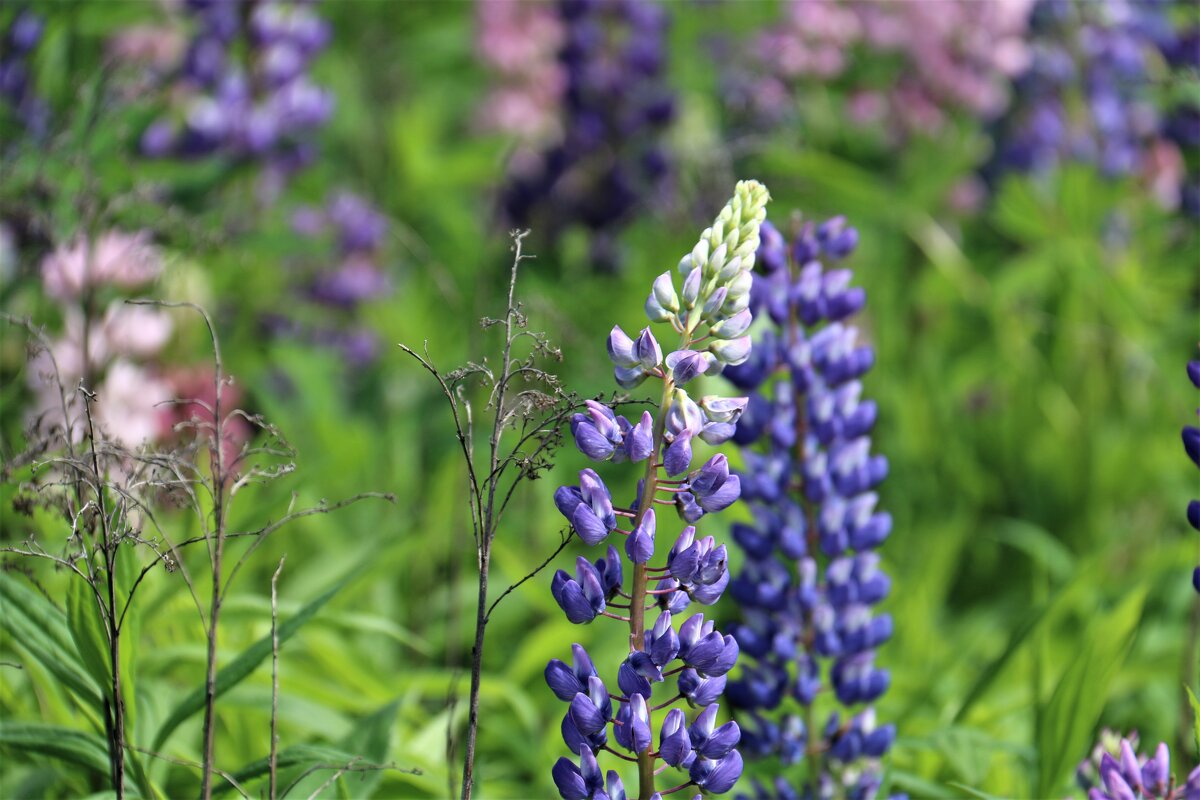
(128, 404)
(127, 260)
(195, 394)
(1164, 171)
(956, 54)
(519, 41)
(158, 47)
(139, 331)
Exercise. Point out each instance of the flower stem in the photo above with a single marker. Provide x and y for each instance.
(637, 612)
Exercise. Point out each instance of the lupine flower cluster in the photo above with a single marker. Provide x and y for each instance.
(115, 350)
(1191, 443)
(358, 231)
(957, 55)
(615, 109)
(108, 351)
(244, 88)
(1116, 771)
(520, 42)
(710, 311)
(1088, 96)
(17, 92)
(1181, 128)
(811, 574)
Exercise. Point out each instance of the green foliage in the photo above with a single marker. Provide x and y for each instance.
(1029, 374)
(1078, 699)
(245, 663)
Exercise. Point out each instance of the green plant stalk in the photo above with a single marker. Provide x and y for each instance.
(217, 458)
(115, 702)
(641, 579)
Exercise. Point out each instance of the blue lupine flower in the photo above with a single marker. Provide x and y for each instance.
(263, 106)
(633, 725)
(640, 544)
(710, 741)
(581, 597)
(717, 776)
(588, 507)
(578, 783)
(809, 580)
(713, 303)
(566, 682)
(18, 94)
(615, 111)
(1085, 95)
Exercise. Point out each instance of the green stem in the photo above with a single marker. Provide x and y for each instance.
(641, 580)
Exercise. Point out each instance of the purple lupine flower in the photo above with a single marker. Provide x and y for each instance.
(582, 597)
(605, 153)
(1191, 444)
(18, 94)
(806, 590)
(695, 568)
(1086, 96)
(566, 682)
(261, 105)
(1117, 771)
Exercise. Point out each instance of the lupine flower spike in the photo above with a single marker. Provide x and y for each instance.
(1116, 771)
(1191, 443)
(810, 575)
(708, 309)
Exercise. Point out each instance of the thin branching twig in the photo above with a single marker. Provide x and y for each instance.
(538, 412)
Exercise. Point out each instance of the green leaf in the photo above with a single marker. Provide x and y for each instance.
(1020, 213)
(1081, 693)
(973, 792)
(41, 630)
(372, 740)
(918, 786)
(1195, 704)
(76, 747)
(241, 667)
(304, 756)
(1040, 545)
(87, 631)
(992, 670)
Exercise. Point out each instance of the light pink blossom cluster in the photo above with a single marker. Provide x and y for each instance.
(519, 40)
(105, 343)
(956, 54)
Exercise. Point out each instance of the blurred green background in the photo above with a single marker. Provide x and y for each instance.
(1030, 373)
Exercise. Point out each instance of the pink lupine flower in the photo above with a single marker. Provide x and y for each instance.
(139, 331)
(126, 260)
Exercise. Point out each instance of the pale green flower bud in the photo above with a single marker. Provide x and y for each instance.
(691, 289)
(664, 292)
(741, 284)
(732, 267)
(735, 305)
(655, 311)
(733, 326)
(713, 304)
(717, 260)
(723, 409)
(700, 253)
(732, 239)
(731, 351)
